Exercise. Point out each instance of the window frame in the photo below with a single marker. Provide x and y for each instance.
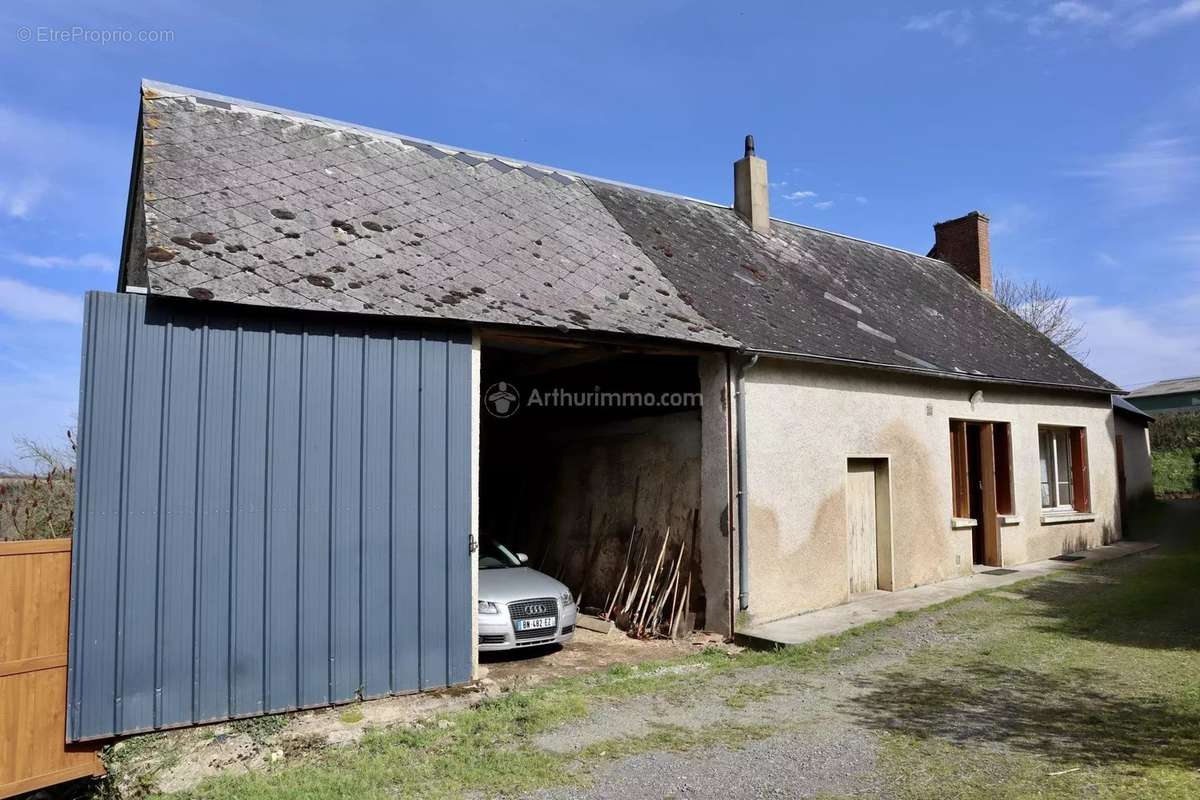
(1057, 443)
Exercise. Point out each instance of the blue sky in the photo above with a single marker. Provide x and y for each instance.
(1075, 126)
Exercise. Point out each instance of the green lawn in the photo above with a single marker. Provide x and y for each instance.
(1087, 685)
(1085, 688)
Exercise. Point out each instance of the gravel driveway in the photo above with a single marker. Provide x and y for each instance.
(817, 746)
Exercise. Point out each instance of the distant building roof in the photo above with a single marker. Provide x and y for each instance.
(1123, 406)
(247, 204)
(1170, 386)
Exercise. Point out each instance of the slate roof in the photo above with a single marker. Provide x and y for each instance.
(247, 204)
(1123, 406)
(1172, 386)
(804, 291)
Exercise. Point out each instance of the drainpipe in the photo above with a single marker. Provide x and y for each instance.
(742, 511)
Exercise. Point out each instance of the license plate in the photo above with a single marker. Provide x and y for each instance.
(536, 623)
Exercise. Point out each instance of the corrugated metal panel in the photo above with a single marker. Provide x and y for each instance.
(273, 513)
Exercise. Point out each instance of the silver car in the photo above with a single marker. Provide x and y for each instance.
(519, 606)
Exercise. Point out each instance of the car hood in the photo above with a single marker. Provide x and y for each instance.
(516, 583)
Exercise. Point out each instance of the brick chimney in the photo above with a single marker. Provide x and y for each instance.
(750, 190)
(963, 243)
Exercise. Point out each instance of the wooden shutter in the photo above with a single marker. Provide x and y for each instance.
(1079, 465)
(958, 468)
(1003, 448)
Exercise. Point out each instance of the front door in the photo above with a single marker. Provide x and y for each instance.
(862, 527)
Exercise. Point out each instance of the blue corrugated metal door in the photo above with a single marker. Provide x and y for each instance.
(273, 513)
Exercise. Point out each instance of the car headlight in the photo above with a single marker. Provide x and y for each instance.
(566, 599)
(486, 607)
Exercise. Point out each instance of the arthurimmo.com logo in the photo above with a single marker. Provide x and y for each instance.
(502, 400)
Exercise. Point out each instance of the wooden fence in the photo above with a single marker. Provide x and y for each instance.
(35, 590)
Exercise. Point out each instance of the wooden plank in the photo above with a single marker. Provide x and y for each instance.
(34, 596)
(32, 664)
(31, 546)
(987, 478)
(63, 775)
(861, 526)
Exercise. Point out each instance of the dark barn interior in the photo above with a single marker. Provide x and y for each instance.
(605, 440)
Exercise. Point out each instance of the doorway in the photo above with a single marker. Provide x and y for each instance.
(868, 525)
(981, 461)
(975, 494)
(590, 451)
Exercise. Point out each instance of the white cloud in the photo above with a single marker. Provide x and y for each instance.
(1129, 345)
(952, 23)
(1082, 13)
(1012, 218)
(1127, 22)
(1186, 245)
(807, 197)
(1156, 169)
(25, 301)
(39, 155)
(19, 198)
(85, 261)
(1152, 23)
(862, 201)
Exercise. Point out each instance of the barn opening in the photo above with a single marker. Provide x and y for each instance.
(590, 460)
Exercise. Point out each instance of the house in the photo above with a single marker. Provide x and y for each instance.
(1176, 394)
(338, 356)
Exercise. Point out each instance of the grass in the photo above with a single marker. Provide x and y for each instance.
(747, 693)
(260, 729)
(1089, 685)
(1176, 472)
(351, 716)
(917, 769)
(128, 758)
(488, 749)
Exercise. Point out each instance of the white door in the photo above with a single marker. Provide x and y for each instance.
(861, 528)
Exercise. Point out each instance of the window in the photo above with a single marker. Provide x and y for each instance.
(1064, 475)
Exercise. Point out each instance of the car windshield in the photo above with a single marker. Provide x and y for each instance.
(493, 555)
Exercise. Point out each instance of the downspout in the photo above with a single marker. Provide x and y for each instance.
(742, 510)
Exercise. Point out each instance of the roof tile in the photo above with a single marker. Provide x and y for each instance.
(319, 215)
